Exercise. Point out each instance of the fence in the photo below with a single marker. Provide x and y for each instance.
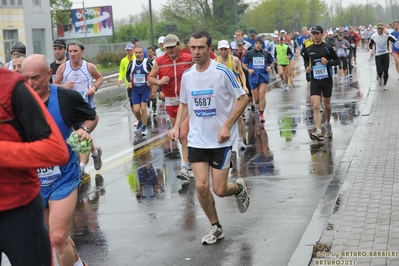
(91, 50)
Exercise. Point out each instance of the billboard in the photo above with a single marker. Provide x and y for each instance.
(98, 23)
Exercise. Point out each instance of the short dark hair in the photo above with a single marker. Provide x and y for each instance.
(19, 56)
(76, 43)
(202, 34)
(151, 48)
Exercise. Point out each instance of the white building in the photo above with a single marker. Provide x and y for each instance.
(28, 21)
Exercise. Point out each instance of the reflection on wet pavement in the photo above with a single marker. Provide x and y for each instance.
(146, 216)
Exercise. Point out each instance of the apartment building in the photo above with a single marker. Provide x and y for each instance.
(28, 21)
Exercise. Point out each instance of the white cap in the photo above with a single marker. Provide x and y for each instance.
(160, 39)
(283, 31)
(223, 44)
(330, 32)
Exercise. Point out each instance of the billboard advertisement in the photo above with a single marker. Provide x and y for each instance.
(98, 23)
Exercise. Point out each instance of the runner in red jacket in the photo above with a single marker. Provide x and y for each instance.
(28, 134)
(167, 72)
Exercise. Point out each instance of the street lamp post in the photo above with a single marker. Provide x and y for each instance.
(235, 14)
(282, 14)
(151, 24)
(84, 19)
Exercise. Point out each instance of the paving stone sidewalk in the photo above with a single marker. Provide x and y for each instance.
(365, 220)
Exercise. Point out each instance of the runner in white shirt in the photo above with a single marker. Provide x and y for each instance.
(208, 95)
(379, 45)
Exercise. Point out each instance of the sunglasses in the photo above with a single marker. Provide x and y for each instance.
(316, 33)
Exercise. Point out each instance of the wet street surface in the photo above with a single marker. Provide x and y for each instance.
(134, 211)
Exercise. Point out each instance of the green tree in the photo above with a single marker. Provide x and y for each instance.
(217, 16)
(289, 15)
(60, 11)
(355, 14)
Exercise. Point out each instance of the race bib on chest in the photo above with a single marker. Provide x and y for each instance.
(320, 72)
(48, 175)
(341, 52)
(258, 62)
(381, 48)
(139, 79)
(396, 44)
(203, 102)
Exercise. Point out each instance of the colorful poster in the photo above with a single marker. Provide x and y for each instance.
(98, 23)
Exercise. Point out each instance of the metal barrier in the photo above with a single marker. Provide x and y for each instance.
(109, 81)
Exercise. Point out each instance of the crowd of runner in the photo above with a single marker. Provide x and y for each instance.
(193, 82)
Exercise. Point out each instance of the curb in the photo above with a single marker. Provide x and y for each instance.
(304, 251)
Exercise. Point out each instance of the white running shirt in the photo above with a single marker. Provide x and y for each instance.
(381, 43)
(211, 97)
(82, 80)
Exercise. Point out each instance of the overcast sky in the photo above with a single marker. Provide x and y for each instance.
(124, 8)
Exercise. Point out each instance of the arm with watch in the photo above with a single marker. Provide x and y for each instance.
(84, 132)
(74, 109)
(96, 75)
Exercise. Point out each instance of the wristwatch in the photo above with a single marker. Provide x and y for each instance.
(86, 129)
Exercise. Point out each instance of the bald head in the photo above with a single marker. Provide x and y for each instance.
(38, 60)
(36, 69)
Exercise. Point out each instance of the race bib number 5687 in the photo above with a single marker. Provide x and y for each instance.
(203, 102)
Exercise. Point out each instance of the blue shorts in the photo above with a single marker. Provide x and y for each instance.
(60, 189)
(141, 95)
(256, 79)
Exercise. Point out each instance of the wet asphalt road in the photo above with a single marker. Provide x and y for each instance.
(135, 212)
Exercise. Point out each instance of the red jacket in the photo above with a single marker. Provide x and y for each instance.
(174, 70)
(356, 36)
(19, 182)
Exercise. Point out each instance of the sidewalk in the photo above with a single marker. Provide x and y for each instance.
(363, 228)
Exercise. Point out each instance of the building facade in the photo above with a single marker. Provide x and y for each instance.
(28, 21)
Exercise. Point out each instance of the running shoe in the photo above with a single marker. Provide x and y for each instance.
(183, 175)
(252, 108)
(261, 118)
(241, 144)
(97, 159)
(329, 133)
(379, 81)
(214, 234)
(385, 87)
(139, 124)
(154, 113)
(144, 131)
(317, 135)
(190, 173)
(242, 199)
